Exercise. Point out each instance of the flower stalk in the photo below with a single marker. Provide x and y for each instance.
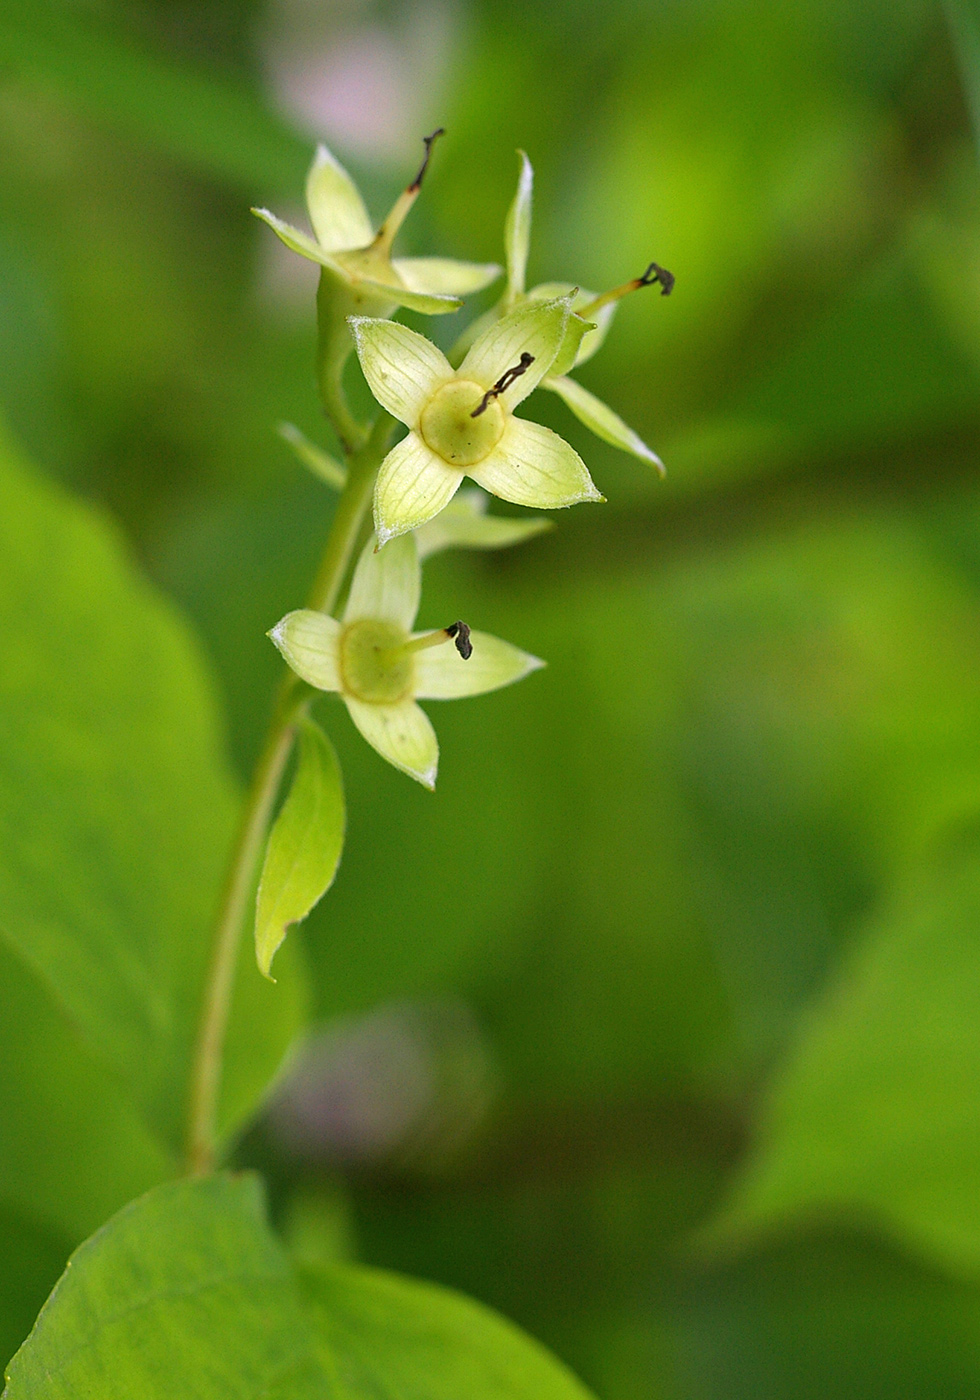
(291, 703)
(205, 1086)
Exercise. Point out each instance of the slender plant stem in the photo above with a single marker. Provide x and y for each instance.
(206, 1075)
(333, 351)
(292, 700)
(351, 509)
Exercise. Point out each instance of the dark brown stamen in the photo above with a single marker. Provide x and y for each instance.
(429, 141)
(460, 634)
(504, 382)
(656, 273)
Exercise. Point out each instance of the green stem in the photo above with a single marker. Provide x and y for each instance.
(206, 1072)
(351, 510)
(291, 702)
(333, 351)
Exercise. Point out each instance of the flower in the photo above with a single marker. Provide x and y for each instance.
(364, 274)
(461, 422)
(591, 411)
(380, 667)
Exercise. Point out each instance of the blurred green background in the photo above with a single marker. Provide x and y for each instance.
(658, 1027)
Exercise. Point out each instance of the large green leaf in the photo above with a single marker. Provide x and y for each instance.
(73, 1148)
(383, 1336)
(186, 1292)
(116, 809)
(875, 1114)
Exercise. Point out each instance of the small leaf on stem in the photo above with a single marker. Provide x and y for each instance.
(304, 847)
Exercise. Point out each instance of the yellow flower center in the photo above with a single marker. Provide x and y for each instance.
(374, 665)
(447, 424)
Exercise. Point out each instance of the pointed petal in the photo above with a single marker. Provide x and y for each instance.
(532, 466)
(372, 293)
(402, 368)
(442, 674)
(336, 208)
(387, 583)
(601, 320)
(535, 327)
(401, 734)
(308, 642)
(413, 485)
(428, 303)
(301, 243)
(601, 420)
(517, 230)
(445, 275)
(464, 524)
(576, 329)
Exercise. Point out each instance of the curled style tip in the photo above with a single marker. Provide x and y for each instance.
(504, 382)
(428, 142)
(656, 273)
(460, 634)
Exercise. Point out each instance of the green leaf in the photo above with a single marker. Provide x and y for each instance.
(116, 808)
(184, 1292)
(872, 1116)
(73, 1148)
(386, 1337)
(187, 1292)
(304, 847)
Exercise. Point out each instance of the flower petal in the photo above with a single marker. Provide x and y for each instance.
(336, 208)
(300, 242)
(600, 320)
(402, 368)
(532, 466)
(442, 674)
(445, 274)
(308, 642)
(534, 327)
(464, 524)
(387, 583)
(601, 420)
(413, 485)
(401, 734)
(370, 293)
(426, 302)
(576, 329)
(517, 230)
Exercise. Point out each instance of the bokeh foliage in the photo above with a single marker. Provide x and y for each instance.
(708, 883)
